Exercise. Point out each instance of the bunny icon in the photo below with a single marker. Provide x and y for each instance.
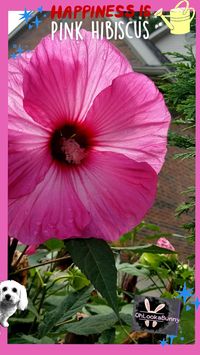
(156, 310)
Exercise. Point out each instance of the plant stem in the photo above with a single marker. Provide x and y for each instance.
(21, 256)
(41, 264)
(42, 299)
(42, 284)
(54, 292)
(40, 306)
(43, 289)
(158, 287)
(11, 252)
(31, 285)
(140, 292)
(58, 279)
(64, 322)
(40, 278)
(160, 278)
(126, 332)
(37, 294)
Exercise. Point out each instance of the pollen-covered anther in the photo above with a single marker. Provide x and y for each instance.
(74, 154)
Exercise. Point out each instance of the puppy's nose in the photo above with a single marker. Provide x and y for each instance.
(7, 297)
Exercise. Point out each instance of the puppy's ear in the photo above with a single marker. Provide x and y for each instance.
(23, 302)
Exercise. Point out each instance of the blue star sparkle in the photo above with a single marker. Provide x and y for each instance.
(171, 337)
(37, 22)
(26, 15)
(185, 293)
(196, 303)
(20, 50)
(13, 56)
(163, 343)
(40, 9)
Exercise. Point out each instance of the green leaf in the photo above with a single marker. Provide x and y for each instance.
(131, 269)
(46, 340)
(127, 309)
(68, 307)
(152, 227)
(29, 339)
(54, 244)
(127, 318)
(107, 337)
(98, 309)
(95, 259)
(24, 339)
(92, 325)
(121, 333)
(77, 279)
(186, 327)
(150, 248)
(32, 309)
(29, 319)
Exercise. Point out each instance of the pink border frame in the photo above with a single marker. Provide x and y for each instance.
(76, 349)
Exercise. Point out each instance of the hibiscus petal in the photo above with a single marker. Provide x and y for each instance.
(116, 191)
(105, 197)
(26, 170)
(52, 210)
(18, 65)
(130, 117)
(29, 157)
(64, 77)
(32, 249)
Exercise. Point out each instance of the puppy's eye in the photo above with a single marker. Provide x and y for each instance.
(14, 290)
(4, 289)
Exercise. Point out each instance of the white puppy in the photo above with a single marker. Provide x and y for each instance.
(13, 296)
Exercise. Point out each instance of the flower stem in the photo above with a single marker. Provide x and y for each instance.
(41, 264)
(11, 252)
(20, 257)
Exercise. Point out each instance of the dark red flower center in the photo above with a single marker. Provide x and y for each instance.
(69, 144)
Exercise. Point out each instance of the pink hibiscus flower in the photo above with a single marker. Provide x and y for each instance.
(164, 243)
(87, 137)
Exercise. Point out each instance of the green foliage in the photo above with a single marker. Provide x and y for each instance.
(180, 141)
(29, 339)
(92, 325)
(107, 336)
(179, 88)
(133, 269)
(95, 258)
(54, 244)
(188, 207)
(183, 274)
(143, 226)
(68, 307)
(56, 299)
(186, 327)
(149, 248)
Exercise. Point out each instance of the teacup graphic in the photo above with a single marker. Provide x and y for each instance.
(179, 18)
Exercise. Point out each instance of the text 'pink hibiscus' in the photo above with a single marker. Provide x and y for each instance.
(87, 137)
